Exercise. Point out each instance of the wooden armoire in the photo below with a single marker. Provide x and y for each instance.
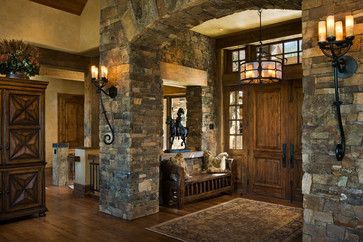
(22, 162)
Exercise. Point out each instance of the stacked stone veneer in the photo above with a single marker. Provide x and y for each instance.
(197, 51)
(333, 191)
(132, 35)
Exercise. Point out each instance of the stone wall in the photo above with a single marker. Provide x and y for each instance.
(194, 50)
(333, 191)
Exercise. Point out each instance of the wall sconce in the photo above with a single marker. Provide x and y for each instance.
(100, 82)
(333, 44)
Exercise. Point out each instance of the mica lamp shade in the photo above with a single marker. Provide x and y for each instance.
(261, 72)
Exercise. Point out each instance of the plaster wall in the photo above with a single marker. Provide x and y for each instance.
(49, 27)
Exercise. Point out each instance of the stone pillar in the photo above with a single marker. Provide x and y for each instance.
(333, 204)
(91, 113)
(194, 117)
(129, 185)
(60, 164)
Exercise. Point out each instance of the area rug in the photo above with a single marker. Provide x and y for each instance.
(237, 220)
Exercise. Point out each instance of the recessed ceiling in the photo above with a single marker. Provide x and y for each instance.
(244, 20)
(70, 6)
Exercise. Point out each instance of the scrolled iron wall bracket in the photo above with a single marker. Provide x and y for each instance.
(343, 67)
(111, 92)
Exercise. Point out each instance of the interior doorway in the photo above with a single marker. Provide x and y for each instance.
(71, 119)
(268, 120)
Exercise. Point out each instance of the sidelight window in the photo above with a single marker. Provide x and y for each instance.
(235, 120)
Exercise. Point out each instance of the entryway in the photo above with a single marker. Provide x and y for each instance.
(263, 130)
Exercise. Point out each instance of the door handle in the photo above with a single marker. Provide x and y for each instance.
(284, 147)
(291, 156)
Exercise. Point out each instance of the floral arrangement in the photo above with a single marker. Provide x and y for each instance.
(18, 57)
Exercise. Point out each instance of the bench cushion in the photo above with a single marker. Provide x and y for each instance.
(206, 176)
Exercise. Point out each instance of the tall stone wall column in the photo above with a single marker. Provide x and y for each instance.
(194, 117)
(129, 167)
(333, 204)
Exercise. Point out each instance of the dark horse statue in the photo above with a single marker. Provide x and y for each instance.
(177, 129)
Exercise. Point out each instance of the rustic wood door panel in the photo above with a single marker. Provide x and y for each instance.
(70, 119)
(267, 173)
(295, 145)
(1, 192)
(23, 134)
(23, 189)
(274, 144)
(268, 118)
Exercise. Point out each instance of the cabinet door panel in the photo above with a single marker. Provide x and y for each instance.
(23, 188)
(23, 135)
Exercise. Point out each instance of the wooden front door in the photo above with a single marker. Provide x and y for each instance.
(274, 144)
(71, 119)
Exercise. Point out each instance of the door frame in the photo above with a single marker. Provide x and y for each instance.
(59, 96)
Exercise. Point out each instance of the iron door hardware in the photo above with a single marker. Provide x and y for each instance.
(284, 147)
(291, 156)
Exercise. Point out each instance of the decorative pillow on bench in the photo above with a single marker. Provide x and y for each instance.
(179, 160)
(215, 163)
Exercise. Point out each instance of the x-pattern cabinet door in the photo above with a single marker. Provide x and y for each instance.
(23, 135)
(23, 188)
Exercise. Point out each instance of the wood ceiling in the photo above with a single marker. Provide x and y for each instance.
(70, 6)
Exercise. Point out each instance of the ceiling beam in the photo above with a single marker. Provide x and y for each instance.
(273, 31)
(70, 6)
(65, 60)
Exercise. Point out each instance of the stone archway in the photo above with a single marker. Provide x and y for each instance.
(132, 34)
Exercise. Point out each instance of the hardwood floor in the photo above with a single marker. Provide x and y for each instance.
(78, 219)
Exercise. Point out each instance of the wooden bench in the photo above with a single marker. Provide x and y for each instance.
(176, 189)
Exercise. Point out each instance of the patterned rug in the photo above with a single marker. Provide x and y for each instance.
(237, 220)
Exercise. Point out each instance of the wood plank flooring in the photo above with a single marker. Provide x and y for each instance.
(78, 219)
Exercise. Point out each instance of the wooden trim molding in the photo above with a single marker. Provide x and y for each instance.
(178, 75)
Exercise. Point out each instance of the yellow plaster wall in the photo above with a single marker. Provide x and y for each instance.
(49, 27)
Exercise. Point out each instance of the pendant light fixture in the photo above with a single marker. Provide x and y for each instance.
(265, 69)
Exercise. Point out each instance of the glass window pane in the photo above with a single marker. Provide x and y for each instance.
(177, 103)
(291, 58)
(240, 127)
(242, 54)
(235, 66)
(239, 112)
(235, 56)
(232, 127)
(232, 98)
(240, 97)
(290, 46)
(239, 142)
(276, 49)
(300, 45)
(232, 112)
(165, 127)
(232, 142)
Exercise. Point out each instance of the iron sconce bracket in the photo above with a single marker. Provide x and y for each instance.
(343, 67)
(111, 92)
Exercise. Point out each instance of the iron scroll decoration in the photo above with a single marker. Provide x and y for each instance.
(111, 92)
(343, 67)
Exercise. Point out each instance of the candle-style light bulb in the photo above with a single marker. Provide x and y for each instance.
(330, 24)
(104, 72)
(94, 72)
(339, 31)
(322, 31)
(349, 26)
